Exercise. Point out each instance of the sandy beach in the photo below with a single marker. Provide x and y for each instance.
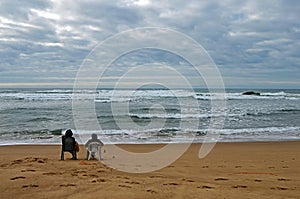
(231, 170)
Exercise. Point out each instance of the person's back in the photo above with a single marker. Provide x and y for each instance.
(94, 139)
(69, 144)
(93, 145)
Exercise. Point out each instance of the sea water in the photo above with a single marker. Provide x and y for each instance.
(39, 116)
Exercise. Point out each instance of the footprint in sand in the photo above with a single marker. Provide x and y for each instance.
(132, 182)
(151, 191)
(92, 175)
(98, 180)
(100, 171)
(190, 180)
(205, 187)
(4, 165)
(18, 177)
(16, 162)
(187, 180)
(239, 186)
(126, 178)
(220, 179)
(124, 186)
(28, 170)
(75, 173)
(67, 185)
(32, 159)
(205, 167)
(283, 179)
(280, 188)
(257, 180)
(51, 174)
(30, 185)
(170, 183)
(101, 180)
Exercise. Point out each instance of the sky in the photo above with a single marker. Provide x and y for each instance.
(254, 44)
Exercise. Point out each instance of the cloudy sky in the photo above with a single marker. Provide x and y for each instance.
(254, 43)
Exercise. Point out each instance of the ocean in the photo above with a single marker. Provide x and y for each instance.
(40, 116)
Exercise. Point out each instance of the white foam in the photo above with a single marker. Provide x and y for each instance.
(127, 95)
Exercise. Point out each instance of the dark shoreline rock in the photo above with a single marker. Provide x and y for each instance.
(251, 93)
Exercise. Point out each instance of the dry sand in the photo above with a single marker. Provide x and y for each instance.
(231, 170)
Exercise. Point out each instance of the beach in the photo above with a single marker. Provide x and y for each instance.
(230, 170)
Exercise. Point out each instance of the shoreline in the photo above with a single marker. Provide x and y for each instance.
(230, 170)
(161, 143)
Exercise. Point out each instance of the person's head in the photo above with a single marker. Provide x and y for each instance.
(69, 133)
(94, 136)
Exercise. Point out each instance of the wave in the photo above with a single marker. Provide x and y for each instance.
(54, 91)
(40, 132)
(166, 109)
(160, 135)
(274, 112)
(174, 131)
(171, 131)
(260, 131)
(240, 96)
(178, 116)
(112, 100)
(36, 96)
(108, 96)
(264, 95)
(40, 119)
(290, 110)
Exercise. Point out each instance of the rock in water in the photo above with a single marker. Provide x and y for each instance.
(251, 93)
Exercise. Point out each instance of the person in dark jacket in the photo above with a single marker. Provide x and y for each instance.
(69, 144)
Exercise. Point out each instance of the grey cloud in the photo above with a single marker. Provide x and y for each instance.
(17, 9)
(252, 35)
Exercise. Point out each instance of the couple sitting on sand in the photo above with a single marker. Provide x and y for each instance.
(70, 145)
